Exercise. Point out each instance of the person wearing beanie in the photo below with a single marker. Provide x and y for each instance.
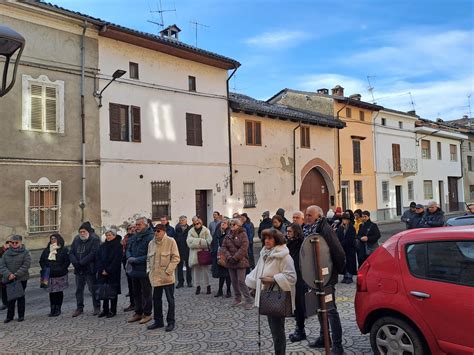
(409, 214)
(56, 257)
(14, 266)
(83, 257)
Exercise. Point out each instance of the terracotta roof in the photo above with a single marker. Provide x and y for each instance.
(247, 104)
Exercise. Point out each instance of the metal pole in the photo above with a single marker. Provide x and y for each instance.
(259, 333)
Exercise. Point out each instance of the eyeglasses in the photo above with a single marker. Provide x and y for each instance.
(15, 243)
(197, 224)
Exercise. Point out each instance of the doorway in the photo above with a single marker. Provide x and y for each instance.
(314, 191)
(201, 205)
(398, 199)
(453, 193)
(441, 194)
(345, 195)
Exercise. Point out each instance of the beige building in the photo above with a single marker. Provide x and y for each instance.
(281, 157)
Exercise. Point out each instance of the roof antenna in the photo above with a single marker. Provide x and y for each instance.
(469, 104)
(411, 101)
(371, 88)
(196, 24)
(160, 11)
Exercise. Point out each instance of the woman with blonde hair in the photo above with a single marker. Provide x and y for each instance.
(199, 238)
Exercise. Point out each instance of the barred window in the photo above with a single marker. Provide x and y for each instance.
(160, 199)
(250, 199)
(358, 196)
(43, 205)
(411, 190)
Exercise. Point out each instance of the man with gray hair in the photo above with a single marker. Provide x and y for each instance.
(298, 218)
(433, 217)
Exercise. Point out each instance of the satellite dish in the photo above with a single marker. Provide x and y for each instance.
(308, 260)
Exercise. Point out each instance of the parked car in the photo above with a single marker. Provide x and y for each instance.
(461, 220)
(415, 293)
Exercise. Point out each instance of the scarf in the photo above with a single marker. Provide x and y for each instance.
(266, 253)
(53, 250)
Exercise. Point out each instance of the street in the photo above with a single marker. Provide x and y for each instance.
(204, 324)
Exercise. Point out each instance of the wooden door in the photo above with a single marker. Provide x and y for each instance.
(201, 205)
(314, 191)
(453, 193)
(398, 199)
(397, 166)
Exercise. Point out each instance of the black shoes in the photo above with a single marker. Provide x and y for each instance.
(110, 315)
(179, 285)
(190, 284)
(219, 294)
(103, 314)
(208, 292)
(169, 327)
(155, 325)
(21, 319)
(8, 320)
(318, 343)
(228, 294)
(298, 335)
(55, 311)
(198, 290)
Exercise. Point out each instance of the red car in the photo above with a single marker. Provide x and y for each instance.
(415, 293)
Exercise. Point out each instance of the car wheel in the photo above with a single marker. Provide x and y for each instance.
(394, 336)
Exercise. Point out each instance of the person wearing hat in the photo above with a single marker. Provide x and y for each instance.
(416, 219)
(408, 215)
(162, 259)
(266, 223)
(368, 238)
(346, 234)
(83, 257)
(14, 266)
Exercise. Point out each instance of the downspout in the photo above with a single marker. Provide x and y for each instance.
(339, 168)
(82, 203)
(294, 158)
(229, 133)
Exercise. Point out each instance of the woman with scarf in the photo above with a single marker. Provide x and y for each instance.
(109, 266)
(275, 266)
(56, 257)
(218, 271)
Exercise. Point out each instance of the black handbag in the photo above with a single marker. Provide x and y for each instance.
(15, 290)
(275, 303)
(105, 291)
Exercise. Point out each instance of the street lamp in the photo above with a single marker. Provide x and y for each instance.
(11, 42)
(117, 74)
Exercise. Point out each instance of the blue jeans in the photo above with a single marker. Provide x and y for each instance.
(81, 281)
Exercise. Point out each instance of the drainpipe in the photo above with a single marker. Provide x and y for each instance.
(339, 168)
(229, 133)
(294, 158)
(82, 203)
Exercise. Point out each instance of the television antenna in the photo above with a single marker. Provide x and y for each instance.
(371, 88)
(411, 101)
(160, 12)
(196, 24)
(469, 104)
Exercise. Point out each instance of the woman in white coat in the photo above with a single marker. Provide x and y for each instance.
(275, 265)
(199, 238)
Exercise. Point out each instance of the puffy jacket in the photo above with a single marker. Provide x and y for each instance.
(235, 245)
(407, 217)
(83, 253)
(163, 258)
(430, 220)
(17, 262)
(138, 250)
(196, 242)
(58, 267)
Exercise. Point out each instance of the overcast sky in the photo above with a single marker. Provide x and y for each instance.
(422, 47)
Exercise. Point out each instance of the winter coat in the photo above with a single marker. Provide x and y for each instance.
(138, 250)
(250, 230)
(415, 221)
(170, 231)
(163, 258)
(277, 264)
(109, 259)
(372, 232)
(58, 267)
(125, 244)
(294, 246)
(431, 220)
(17, 262)
(196, 242)
(236, 246)
(83, 254)
(181, 234)
(347, 238)
(266, 223)
(407, 216)
(217, 241)
(213, 226)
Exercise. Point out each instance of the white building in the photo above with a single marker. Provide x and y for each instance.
(163, 127)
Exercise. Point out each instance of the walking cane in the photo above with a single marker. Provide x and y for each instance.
(259, 334)
(321, 294)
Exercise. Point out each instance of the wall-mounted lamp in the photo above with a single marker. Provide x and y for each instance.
(11, 42)
(117, 74)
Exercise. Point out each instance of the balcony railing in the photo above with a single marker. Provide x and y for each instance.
(403, 166)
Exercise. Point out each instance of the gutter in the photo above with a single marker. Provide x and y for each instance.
(229, 133)
(294, 158)
(82, 203)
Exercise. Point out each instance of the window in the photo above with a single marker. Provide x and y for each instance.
(305, 141)
(453, 152)
(356, 156)
(438, 147)
(471, 192)
(385, 191)
(160, 199)
(348, 112)
(397, 166)
(43, 104)
(469, 163)
(250, 199)
(428, 189)
(253, 133)
(362, 115)
(43, 205)
(384, 121)
(193, 129)
(470, 146)
(358, 197)
(121, 128)
(133, 70)
(445, 261)
(400, 124)
(411, 190)
(192, 83)
(425, 149)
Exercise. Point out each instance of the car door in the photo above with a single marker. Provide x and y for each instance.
(439, 280)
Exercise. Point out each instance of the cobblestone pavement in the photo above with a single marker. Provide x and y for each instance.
(204, 324)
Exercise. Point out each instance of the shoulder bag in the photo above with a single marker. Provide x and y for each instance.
(204, 256)
(15, 290)
(275, 303)
(105, 291)
(44, 277)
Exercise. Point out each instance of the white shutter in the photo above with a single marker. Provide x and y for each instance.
(50, 109)
(36, 94)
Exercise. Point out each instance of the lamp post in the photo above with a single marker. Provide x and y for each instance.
(11, 42)
(117, 74)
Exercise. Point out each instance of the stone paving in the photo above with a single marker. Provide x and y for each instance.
(205, 325)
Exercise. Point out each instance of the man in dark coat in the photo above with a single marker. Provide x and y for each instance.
(181, 233)
(368, 238)
(408, 215)
(315, 222)
(136, 265)
(170, 231)
(416, 219)
(434, 216)
(82, 255)
(281, 212)
(266, 223)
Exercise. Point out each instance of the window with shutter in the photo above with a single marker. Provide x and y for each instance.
(193, 129)
(453, 152)
(425, 149)
(43, 205)
(411, 190)
(192, 83)
(356, 156)
(348, 112)
(305, 142)
(136, 125)
(253, 132)
(397, 166)
(358, 197)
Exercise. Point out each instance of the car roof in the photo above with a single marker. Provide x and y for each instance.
(440, 233)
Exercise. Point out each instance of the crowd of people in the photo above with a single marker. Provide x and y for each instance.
(154, 256)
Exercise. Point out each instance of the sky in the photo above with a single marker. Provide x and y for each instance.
(417, 54)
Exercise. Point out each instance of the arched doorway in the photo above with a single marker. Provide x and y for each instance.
(314, 191)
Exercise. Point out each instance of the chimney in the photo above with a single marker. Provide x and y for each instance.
(355, 97)
(465, 116)
(338, 90)
(439, 120)
(412, 112)
(323, 91)
(170, 32)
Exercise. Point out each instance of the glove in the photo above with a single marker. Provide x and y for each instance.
(131, 260)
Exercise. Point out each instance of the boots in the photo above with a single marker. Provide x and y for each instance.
(53, 310)
(298, 335)
(198, 290)
(57, 311)
(219, 293)
(208, 292)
